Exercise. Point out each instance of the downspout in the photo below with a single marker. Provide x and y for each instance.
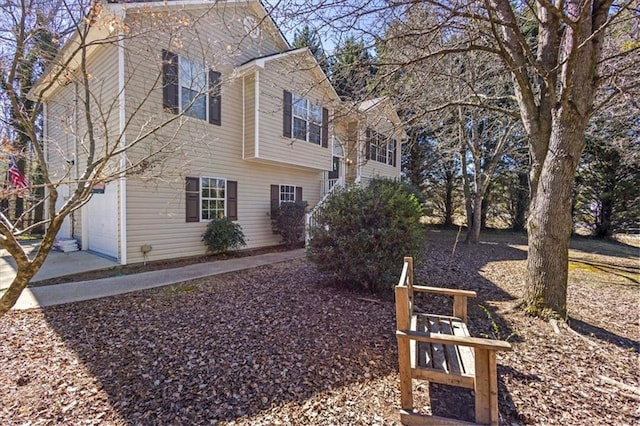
(257, 115)
(243, 116)
(123, 156)
(74, 160)
(45, 149)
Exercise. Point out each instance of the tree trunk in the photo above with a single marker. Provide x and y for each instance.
(521, 194)
(550, 221)
(473, 235)
(467, 191)
(448, 200)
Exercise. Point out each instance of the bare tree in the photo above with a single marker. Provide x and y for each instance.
(554, 54)
(141, 144)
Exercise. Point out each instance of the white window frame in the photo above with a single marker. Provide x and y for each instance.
(283, 186)
(223, 199)
(307, 118)
(383, 145)
(204, 92)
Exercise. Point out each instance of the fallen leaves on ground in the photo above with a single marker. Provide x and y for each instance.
(276, 345)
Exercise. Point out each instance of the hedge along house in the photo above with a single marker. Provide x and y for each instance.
(240, 120)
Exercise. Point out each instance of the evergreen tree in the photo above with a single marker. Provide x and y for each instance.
(352, 69)
(306, 37)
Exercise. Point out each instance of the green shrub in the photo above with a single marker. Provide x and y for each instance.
(222, 235)
(362, 234)
(288, 221)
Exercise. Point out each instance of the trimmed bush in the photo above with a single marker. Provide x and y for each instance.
(222, 235)
(362, 234)
(288, 221)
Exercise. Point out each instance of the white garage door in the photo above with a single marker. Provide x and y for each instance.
(102, 221)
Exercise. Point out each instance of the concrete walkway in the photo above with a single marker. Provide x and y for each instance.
(56, 265)
(58, 294)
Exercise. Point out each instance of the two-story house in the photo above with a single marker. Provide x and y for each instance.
(211, 98)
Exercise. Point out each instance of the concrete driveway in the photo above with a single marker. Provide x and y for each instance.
(56, 265)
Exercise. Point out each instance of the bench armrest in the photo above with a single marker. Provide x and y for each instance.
(443, 291)
(459, 298)
(446, 339)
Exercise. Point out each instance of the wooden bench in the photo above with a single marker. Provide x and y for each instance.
(439, 349)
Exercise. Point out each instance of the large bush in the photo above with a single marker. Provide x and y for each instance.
(222, 235)
(288, 220)
(362, 234)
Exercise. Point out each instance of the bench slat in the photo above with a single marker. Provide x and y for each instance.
(466, 354)
(437, 350)
(451, 353)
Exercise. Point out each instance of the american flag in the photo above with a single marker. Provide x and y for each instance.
(15, 176)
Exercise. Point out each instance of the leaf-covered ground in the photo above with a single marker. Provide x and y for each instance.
(275, 345)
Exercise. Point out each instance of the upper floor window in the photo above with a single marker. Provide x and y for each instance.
(305, 120)
(381, 148)
(189, 87)
(193, 88)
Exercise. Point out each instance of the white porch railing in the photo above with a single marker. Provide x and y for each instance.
(327, 188)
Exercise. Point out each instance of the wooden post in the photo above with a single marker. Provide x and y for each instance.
(409, 260)
(486, 387)
(460, 307)
(404, 352)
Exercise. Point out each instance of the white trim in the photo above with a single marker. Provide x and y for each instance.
(280, 192)
(256, 120)
(123, 157)
(262, 62)
(243, 116)
(45, 152)
(200, 219)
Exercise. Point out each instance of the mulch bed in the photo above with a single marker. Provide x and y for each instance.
(276, 345)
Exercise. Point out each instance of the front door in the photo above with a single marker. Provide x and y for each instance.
(335, 173)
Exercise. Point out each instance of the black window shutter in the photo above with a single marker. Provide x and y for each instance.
(275, 204)
(215, 98)
(275, 197)
(395, 151)
(298, 193)
(325, 127)
(170, 81)
(368, 144)
(287, 115)
(192, 187)
(232, 200)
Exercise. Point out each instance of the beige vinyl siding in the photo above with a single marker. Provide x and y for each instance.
(294, 74)
(377, 119)
(60, 144)
(249, 116)
(67, 133)
(156, 215)
(155, 208)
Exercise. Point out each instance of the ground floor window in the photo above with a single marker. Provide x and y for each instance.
(212, 198)
(287, 194)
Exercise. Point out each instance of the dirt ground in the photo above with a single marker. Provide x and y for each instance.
(276, 345)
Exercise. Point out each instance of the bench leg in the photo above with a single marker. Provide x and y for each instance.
(404, 364)
(486, 387)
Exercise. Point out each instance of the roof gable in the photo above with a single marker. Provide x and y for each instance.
(321, 77)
